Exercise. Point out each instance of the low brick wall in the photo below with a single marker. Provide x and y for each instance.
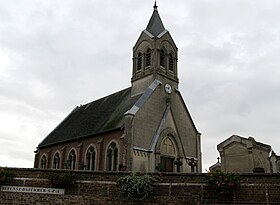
(90, 188)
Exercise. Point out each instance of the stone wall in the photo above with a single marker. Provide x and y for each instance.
(100, 188)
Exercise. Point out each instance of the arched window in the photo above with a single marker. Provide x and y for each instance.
(162, 58)
(139, 62)
(90, 158)
(43, 162)
(148, 58)
(72, 159)
(112, 157)
(168, 154)
(171, 63)
(168, 147)
(56, 161)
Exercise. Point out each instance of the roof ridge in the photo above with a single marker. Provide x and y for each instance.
(102, 98)
(106, 113)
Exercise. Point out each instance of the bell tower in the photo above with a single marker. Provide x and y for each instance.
(155, 56)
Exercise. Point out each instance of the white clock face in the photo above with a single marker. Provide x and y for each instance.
(168, 88)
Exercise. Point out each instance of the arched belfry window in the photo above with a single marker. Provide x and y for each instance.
(170, 63)
(148, 58)
(72, 159)
(162, 58)
(43, 162)
(56, 161)
(90, 158)
(112, 157)
(139, 62)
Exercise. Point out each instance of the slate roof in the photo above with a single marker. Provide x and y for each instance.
(155, 25)
(98, 116)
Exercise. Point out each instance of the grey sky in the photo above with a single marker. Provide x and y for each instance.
(55, 55)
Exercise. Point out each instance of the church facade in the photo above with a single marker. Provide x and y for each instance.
(146, 127)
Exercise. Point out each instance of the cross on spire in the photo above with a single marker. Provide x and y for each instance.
(155, 6)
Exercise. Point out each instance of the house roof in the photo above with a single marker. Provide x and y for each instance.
(250, 142)
(155, 25)
(95, 117)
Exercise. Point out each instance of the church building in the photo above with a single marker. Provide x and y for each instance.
(145, 128)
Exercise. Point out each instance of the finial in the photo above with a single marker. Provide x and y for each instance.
(155, 6)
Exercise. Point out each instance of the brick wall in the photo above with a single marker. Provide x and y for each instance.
(100, 188)
(99, 142)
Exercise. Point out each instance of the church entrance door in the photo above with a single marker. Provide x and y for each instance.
(167, 164)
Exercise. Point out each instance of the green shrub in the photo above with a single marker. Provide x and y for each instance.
(6, 175)
(223, 183)
(136, 185)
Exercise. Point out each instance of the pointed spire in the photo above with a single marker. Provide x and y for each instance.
(155, 25)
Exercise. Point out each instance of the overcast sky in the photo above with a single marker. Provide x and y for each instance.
(55, 55)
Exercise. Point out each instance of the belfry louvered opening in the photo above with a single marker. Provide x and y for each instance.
(162, 58)
(148, 58)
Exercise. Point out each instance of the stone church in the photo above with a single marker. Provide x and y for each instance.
(146, 127)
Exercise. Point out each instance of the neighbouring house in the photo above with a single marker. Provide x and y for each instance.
(274, 162)
(246, 155)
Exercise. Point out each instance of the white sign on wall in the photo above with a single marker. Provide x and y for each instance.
(35, 190)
